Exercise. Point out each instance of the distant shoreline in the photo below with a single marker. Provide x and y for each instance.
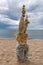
(15, 39)
(32, 34)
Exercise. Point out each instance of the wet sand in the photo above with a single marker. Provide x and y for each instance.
(8, 52)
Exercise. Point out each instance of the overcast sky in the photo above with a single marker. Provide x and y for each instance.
(10, 12)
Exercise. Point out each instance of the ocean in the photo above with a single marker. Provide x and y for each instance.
(11, 34)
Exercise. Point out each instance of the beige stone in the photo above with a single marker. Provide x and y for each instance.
(26, 24)
(22, 36)
(21, 24)
(23, 11)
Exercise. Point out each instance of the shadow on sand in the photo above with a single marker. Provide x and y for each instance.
(26, 63)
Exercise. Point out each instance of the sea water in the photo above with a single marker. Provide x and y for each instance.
(11, 34)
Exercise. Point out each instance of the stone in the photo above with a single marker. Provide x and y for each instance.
(21, 24)
(22, 37)
(26, 24)
(23, 11)
(22, 52)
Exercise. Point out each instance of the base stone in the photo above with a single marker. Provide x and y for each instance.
(22, 52)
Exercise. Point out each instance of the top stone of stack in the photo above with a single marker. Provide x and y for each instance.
(23, 11)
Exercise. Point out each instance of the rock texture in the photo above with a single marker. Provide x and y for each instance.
(22, 52)
(21, 37)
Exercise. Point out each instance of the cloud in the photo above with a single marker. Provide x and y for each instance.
(10, 12)
(14, 10)
(36, 20)
(35, 6)
(34, 11)
(9, 21)
(6, 23)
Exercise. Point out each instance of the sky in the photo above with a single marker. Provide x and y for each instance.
(10, 12)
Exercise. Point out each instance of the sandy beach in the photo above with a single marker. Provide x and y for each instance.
(8, 52)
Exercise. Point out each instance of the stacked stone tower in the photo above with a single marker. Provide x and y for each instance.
(22, 36)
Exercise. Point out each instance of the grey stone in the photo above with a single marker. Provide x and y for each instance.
(22, 52)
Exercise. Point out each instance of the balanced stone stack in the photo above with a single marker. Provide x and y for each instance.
(21, 37)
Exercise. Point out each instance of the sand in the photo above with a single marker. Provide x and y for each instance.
(8, 52)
